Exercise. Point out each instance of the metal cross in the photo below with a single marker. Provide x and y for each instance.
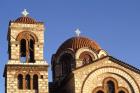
(25, 13)
(78, 32)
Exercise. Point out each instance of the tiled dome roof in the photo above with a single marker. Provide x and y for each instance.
(26, 20)
(76, 43)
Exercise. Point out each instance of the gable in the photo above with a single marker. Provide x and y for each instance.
(93, 75)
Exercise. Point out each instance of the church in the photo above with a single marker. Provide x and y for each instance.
(79, 65)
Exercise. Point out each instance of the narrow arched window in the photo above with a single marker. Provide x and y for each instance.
(27, 79)
(23, 50)
(100, 91)
(35, 82)
(31, 50)
(20, 81)
(110, 87)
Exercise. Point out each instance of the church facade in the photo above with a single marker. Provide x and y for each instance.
(79, 65)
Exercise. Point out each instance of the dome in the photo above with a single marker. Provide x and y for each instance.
(76, 43)
(26, 20)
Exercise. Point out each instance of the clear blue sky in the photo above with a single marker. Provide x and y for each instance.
(113, 24)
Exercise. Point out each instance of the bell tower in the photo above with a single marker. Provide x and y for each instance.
(26, 70)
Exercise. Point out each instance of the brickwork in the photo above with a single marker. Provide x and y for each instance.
(16, 29)
(79, 65)
(12, 83)
(91, 76)
(15, 67)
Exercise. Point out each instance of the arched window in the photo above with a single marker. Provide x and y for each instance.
(23, 50)
(67, 63)
(27, 41)
(27, 79)
(20, 81)
(86, 57)
(100, 91)
(110, 87)
(35, 82)
(27, 50)
(121, 91)
(31, 51)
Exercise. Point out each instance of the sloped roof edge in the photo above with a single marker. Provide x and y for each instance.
(117, 61)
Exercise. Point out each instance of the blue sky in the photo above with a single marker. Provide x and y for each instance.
(113, 24)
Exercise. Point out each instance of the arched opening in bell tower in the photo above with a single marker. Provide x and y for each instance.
(23, 50)
(31, 51)
(27, 42)
(27, 50)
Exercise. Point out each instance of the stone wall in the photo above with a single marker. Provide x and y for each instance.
(91, 76)
(12, 81)
(37, 29)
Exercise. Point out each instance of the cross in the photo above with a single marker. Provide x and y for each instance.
(25, 13)
(78, 32)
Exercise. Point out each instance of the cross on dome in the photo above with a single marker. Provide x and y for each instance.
(25, 12)
(78, 32)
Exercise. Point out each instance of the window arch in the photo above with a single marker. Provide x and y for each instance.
(86, 57)
(27, 81)
(67, 63)
(27, 40)
(121, 91)
(27, 50)
(35, 82)
(20, 81)
(31, 51)
(23, 50)
(110, 85)
(100, 91)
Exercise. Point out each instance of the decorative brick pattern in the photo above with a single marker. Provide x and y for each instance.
(89, 77)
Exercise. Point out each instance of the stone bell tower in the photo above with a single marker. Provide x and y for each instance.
(26, 70)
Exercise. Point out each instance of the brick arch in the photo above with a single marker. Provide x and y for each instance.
(25, 35)
(67, 63)
(19, 72)
(67, 51)
(25, 73)
(104, 88)
(86, 57)
(88, 81)
(102, 53)
(123, 89)
(36, 73)
(81, 50)
(92, 53)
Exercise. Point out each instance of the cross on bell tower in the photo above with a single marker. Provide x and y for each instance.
(25, 12)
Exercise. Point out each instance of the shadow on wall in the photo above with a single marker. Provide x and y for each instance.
(67, 85)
